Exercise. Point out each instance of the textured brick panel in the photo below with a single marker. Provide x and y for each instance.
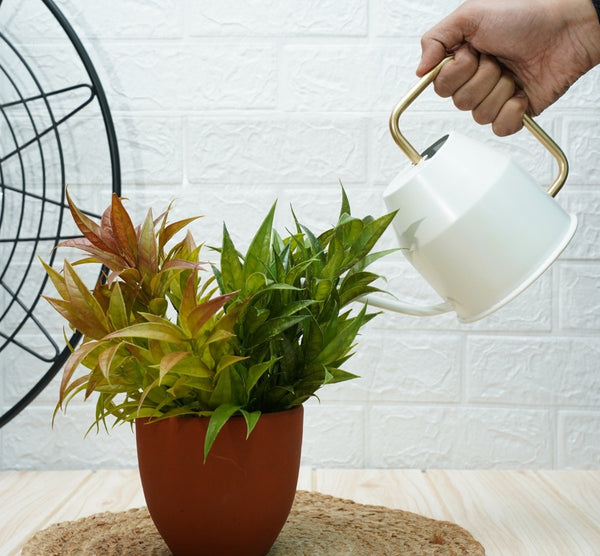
(579, 434)
(405, 18)
(277, 17)
(458, 437)
(534, 371)
(580, 296)
(333, 438)
(276, 150)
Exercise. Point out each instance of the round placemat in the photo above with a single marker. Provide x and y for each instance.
(318, 525)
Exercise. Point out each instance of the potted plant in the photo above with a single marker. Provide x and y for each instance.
(213, 368)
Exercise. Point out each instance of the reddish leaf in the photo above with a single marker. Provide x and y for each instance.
(86, 225)
(106, 231)
(73, 362)
(56, 278)
(145, 393)
(182, 264)
(168, 232)
(105, 359)
(84, 303)
(65, 309)
(123, 229)
(188, 299)
(108, 258)
(147, 256)
(218, 336)
(201, 314)
(169, 361)
(166, 332)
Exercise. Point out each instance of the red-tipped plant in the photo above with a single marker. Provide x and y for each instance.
(141, 362)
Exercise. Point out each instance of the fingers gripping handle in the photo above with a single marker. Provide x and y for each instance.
(413, 155)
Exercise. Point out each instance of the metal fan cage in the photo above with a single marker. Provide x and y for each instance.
(34, 169)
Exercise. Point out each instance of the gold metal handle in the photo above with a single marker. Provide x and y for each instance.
(533, 127)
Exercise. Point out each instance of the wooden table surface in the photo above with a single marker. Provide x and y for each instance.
(509, 512)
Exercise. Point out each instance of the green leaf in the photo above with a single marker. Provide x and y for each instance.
(339, 375)
(295, 306)
(251, 420)
(192, 366)
(228, 360)
(315, 246)
(254, 282)
(272, 288)
(275, 326)
(219, 336)
(312, 341)
(322, 289)
(349, 230)
(117, 312)
(229, 388)
(146, 393)
(300, 270)
(158, 306)
(370, 235)
(255, 372)
(218, 419)
(255, 317)
(345, 207)
(336, 256)
(356, 285)
(231, 272)
(372, 257)
(342, 341)
(258, 253)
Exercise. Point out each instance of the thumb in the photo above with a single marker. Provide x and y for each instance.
(447, 36)
(432, 53)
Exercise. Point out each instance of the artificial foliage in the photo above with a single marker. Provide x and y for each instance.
(165, 337)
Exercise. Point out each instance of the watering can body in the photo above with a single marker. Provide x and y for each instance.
(474, 224)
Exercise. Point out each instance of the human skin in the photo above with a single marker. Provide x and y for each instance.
(511, 56)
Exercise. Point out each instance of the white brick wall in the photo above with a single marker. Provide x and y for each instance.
(230, 105)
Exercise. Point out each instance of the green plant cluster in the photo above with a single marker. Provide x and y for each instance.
(296, 326)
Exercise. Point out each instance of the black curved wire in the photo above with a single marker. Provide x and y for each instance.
(96, 92)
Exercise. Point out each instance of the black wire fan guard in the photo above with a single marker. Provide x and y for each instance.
(33, 213)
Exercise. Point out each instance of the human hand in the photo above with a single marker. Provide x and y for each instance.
(511, 56)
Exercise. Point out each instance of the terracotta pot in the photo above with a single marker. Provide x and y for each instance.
(234, 504)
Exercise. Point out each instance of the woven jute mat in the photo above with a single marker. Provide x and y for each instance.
(318, 525)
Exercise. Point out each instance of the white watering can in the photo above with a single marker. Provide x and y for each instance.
(472, 222)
